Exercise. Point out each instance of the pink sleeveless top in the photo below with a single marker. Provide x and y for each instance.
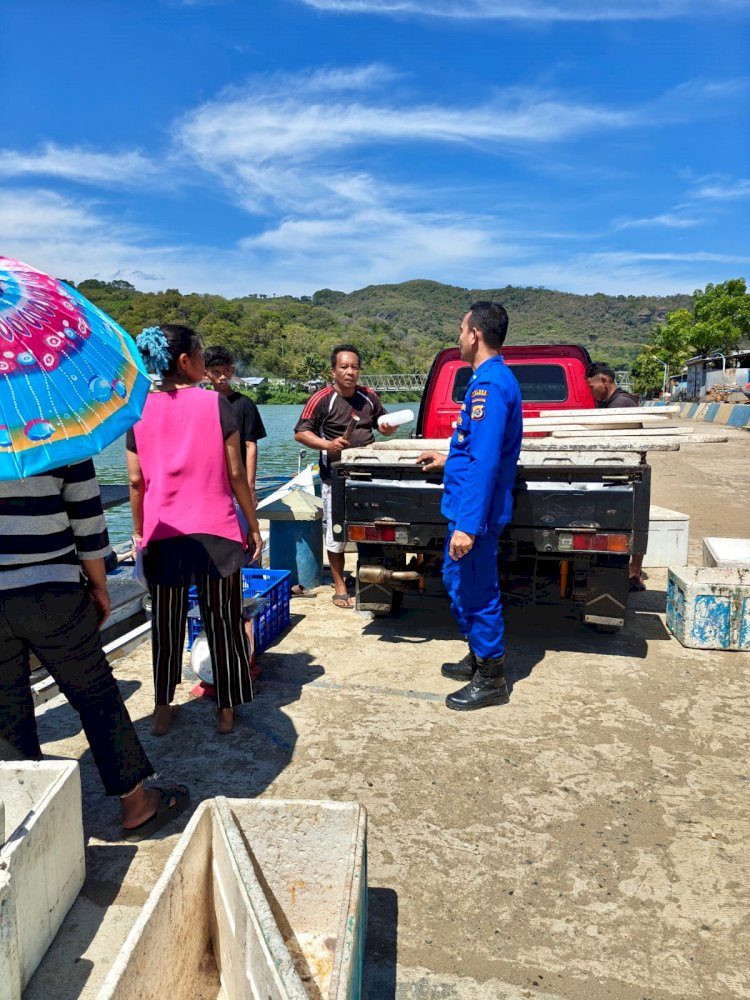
(181, 452)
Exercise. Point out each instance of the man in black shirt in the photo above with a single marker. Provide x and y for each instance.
(604, 388)
(220, 371)
(328, 423)
(608, 395)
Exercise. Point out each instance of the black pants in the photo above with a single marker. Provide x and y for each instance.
(220, 602)
(58, 624)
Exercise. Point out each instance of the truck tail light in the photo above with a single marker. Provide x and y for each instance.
(372, 533)
(586, 541)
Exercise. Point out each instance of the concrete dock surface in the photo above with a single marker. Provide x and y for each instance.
(588, 841)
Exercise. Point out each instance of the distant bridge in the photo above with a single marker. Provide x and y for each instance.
(395, 383)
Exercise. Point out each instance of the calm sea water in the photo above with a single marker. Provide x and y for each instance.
(278, 455)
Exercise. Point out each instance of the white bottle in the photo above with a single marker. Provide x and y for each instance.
(397, 418)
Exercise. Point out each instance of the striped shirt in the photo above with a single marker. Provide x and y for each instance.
(327, 413)
(48, 523)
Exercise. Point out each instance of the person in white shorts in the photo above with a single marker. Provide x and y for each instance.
(325, 419)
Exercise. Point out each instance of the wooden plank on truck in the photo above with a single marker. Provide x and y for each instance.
(584, 444)
(666, 431)
(598, 417)
(672, 408)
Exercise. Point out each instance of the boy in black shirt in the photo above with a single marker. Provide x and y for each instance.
(220, 371)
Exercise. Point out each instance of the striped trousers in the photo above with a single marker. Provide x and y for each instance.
(220, 603)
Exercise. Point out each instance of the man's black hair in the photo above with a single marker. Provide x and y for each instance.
(492, 319)
(217, 355)
(344, 347)
(600, 368)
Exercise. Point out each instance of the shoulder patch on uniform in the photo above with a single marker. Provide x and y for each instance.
(478, 401)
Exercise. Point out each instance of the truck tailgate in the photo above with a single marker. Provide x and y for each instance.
(406, 495)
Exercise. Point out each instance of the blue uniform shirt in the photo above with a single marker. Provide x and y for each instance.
(481, 467)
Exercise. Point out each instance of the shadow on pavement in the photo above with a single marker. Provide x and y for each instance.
(531, 631)
(61, 722)
(381, 946)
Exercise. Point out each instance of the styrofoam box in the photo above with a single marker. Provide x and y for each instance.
(41, 861)
(726, 552)
(709, 607)
(273, 891)
(668, 532)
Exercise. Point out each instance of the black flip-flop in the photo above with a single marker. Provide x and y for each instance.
(164, 814)
(341, 601)
(636, 585)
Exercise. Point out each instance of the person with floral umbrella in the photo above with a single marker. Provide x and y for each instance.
(53, 590)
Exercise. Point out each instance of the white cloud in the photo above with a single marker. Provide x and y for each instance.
(76, 238)
(665, 221)
(723, 190)
(313, 158)
(534, 10)
(79, 240)
(305, 143)
(77, 164)
(259, 127)
(621, 257)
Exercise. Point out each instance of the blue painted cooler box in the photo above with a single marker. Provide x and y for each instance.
(709, 607)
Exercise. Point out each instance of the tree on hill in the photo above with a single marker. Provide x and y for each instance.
(398, 328)
(719, 322)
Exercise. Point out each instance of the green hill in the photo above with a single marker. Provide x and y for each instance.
(397, 328)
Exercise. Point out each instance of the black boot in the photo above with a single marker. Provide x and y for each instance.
(487, 687)
(464, 670)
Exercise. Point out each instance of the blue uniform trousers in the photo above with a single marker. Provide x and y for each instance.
(474, 594)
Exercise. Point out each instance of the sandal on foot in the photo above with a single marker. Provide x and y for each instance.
(342, 601)
(173, 799)
(636, 584)
(160, 726)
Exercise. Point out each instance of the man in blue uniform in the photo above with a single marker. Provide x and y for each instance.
(479, 474)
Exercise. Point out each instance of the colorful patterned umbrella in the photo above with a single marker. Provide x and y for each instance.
(71, 380)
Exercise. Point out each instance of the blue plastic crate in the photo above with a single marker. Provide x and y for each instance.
(272, 584)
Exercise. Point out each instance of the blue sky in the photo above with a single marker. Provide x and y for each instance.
(282, 146)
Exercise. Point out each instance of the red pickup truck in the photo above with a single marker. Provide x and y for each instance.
(577, 516)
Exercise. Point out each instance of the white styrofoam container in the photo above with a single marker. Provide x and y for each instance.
(726, 552)
(260, 898)
(43, 859)
(709, 607)
(668, 532)
(10, 965)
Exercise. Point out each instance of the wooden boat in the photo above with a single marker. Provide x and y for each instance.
(304, 480)
(260, 898)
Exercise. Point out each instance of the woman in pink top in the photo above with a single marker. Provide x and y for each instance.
(184, 464)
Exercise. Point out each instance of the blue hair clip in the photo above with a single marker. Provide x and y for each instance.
(155, 350)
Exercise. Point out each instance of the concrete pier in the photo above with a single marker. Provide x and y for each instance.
(588, 841)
